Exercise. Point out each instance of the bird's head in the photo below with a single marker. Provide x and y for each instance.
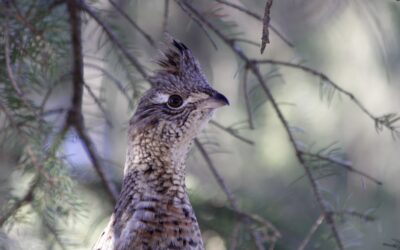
(180, 102)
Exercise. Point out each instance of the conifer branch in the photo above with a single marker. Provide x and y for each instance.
(379, 121)
(115, 80)
(253, 67)
(28, 197)
(98, 103)
(113, 38)
(338, 162)
(245, 218)
(74, 117)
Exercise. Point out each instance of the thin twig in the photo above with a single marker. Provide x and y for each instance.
(312, 231)
(53, 231)
(325, 78)
(21, 18)
(203, 29)
(10, 117)
(39, 167)
(246, 41)
(231, 132)
(231, 198)
(99, 104)
(246, 100)
(165, 19)
(117, 82)
(130, 20)
(217, 176)
(340, 163)
(21, 202)
(113, 38)
(266, 20)
(74, 116)
(317, 193)
(353, 213)
(261, 221)
(259, 18)
(253, 67)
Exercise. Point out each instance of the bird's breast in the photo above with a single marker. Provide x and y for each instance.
(161, 225)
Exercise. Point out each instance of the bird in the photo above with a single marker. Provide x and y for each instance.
(153, 211)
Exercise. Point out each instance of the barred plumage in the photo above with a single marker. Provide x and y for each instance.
(153, 210)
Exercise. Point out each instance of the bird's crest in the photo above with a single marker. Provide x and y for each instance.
(177, 58)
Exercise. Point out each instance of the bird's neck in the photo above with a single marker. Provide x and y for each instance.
(155, 165)
(153, 209)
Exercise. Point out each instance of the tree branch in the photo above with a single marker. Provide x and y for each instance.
(231, 132)
(74, 116)
(203, 29)
(247, 100)
(312, 231)
(257, 17)
(253, 67)
(113, 38)
(265, 31)
(325, 78)
(340, 163)
(130, 20)
(246, 219)
(117, 82)
(21, 202)
(98, 103)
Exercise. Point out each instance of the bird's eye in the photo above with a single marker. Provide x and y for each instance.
(175, 101)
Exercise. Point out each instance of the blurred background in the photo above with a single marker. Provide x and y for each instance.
(353, 42)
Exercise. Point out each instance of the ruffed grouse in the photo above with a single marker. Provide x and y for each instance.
(153, 210)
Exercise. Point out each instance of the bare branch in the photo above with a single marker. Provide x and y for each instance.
(265, 31)
(312, 231)
(231, 132)
(353, 213)
(246, 219)
(257, 17)
(246, 100)
(74, 116)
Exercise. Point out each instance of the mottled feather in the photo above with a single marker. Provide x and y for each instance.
(153, 210)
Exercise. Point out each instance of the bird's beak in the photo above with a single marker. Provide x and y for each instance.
(216, 101)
